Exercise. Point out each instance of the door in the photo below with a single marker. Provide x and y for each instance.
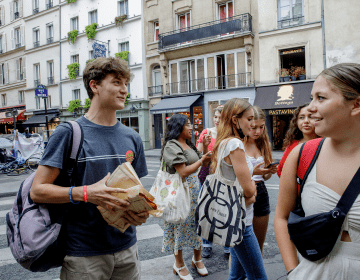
(220, 71)
(158, 130)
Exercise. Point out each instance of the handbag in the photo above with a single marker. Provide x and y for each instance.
(173, 194)
(220, 213)
(315, 236)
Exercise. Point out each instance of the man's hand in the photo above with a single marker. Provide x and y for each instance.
(135, 219)
(100, 194)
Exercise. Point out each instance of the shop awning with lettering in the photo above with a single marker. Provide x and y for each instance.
(283, 96)
(174, 105)
(38, 120)
(4, 118)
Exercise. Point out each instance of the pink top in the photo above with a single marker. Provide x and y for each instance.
(212, 143)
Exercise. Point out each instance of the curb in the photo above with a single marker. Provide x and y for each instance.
(7, 194)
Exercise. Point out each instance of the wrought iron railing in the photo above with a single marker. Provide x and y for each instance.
(49, 5)
(50, 40)
(206, 31)
(155, 90)
(50, 80)
(36, 44)
(290, 22)
(36, 83)
(16, 15)
(212, 83)
(17, 45)
(35, 11)
(21, 76)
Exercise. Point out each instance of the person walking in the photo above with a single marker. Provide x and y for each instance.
(94, 249)
(335, 108)
(301, 129)
(258, 149)
(236, 120)
(180, 155)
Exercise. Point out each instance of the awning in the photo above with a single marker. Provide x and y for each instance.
(4, 118)
(38, 120)
(174, 105)
(283, 96)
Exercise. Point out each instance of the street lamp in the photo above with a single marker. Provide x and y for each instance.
(13, 113)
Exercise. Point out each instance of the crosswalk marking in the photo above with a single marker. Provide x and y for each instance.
(3, 229)
(7, 201)
(3, 213)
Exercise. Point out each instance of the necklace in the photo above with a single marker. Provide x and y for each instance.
(86, 116)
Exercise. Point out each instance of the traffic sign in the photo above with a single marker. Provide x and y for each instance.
(41, 91)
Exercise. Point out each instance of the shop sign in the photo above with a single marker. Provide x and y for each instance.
(41, 91)
(281, 112)
(285, 95)
(292, 51)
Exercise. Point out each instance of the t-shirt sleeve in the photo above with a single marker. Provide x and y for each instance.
(139, 163)
(58, 148)
(232, 145)
(200, 140)
(173, 154)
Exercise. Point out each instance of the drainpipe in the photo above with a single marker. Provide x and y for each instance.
(60, 83)
(323, 32)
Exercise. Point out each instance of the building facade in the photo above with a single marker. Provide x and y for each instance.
(199, 54)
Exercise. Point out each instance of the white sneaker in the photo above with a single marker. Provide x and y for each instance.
(176, 271)
(200, 271)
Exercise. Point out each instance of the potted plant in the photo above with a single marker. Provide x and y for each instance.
(73, 69)
(293, 73)
(90, 30)
(71, 1)
(302, 73)
(72, 35)
(284, 75)
(87, 104)
(123, 55)
(74, 105)
(119, 20)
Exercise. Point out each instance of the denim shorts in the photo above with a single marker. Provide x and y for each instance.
(262, 204)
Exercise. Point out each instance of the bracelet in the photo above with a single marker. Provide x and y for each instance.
(291, 270)
(201, 163)
(85, 194)
(70, 196)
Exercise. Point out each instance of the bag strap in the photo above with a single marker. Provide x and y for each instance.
(77, 141)
(351, 193)
(222, 148)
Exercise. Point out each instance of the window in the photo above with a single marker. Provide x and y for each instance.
(35, 6)
(91, 54)
(74, 23)
(21, 97)
(184, 21)
(156, 31)
(36, 37)
(2, 15)
(49, 33)
(16, 9)
(76, 94)
(1, 45)
(17, 38)
(36, 75)
(37, 101)
(290, 12)
(49, 4)
(3, 100)
(50, 72)
(292, 64)
(226, 12)
(4, 73)
(124, 47)
(75, 58)
(123, 7)
(93, 17)
(156, 81)
(20, 69)
(48, 101)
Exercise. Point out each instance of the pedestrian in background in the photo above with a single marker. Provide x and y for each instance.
(258, 149)
(335, 108)
(236, 120)
(180, 155)
(301, 129)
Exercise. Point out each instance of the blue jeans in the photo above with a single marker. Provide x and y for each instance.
(246, 259)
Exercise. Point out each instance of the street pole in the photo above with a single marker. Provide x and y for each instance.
(46, 117)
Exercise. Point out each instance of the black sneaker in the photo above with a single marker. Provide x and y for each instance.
(206, 252)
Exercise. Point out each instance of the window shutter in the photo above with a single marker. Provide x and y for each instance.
(1, 74)
(22, 38)
(18, 69)
(6, 70)
(12, 39)
(4, 42)
(24, 67)
(2, 15)
(20, 8)
(11, 10)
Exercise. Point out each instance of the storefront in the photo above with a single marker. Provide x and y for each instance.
(279, 103)
(190, 105)
(7, 119)
(37, 122)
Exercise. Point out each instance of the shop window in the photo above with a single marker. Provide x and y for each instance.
(290, 12)
(292, 64)
(125, 121)
(198, 122)
(134, 122)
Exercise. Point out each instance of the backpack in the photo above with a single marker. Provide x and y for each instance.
(33, 233)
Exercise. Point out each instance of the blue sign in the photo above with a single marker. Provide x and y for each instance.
(41, 91)
(99, 50)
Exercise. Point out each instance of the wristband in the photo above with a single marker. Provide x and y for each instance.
(70, 196)
(85, 194)
(201, 163)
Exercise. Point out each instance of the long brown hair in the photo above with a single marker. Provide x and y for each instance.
(226, 129)
(263, 142)
(294, 133)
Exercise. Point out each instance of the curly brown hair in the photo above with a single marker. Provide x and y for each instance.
(294, 133)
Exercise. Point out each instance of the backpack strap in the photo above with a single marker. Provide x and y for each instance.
(77, 141)
(308, 155)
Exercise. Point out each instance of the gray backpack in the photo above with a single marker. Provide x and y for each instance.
(33, 234)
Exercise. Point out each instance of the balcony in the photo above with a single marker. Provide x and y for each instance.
(50, 40)
(17, 45)
(50, 80)
(289, 22)
(16, 15)
(36, 44)
(49, 5)
(35, 11)
(155, 90)
(205, 32)
(36, 83)
(207, 84)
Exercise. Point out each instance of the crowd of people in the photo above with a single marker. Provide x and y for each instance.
(334, 113)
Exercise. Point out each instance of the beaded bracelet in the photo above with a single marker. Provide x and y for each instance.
(70, 196)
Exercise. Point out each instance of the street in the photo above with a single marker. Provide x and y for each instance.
(154, 263)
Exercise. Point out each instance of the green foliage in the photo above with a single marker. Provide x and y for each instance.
(71, 1)
(73, 70)
(89, 60)
(123, 55)
(74, 105)
(127, 99)
(91, 30)
(72, 36)
(87, 103)
(119, 20)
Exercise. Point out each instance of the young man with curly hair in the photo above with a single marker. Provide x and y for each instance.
(94, 249)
